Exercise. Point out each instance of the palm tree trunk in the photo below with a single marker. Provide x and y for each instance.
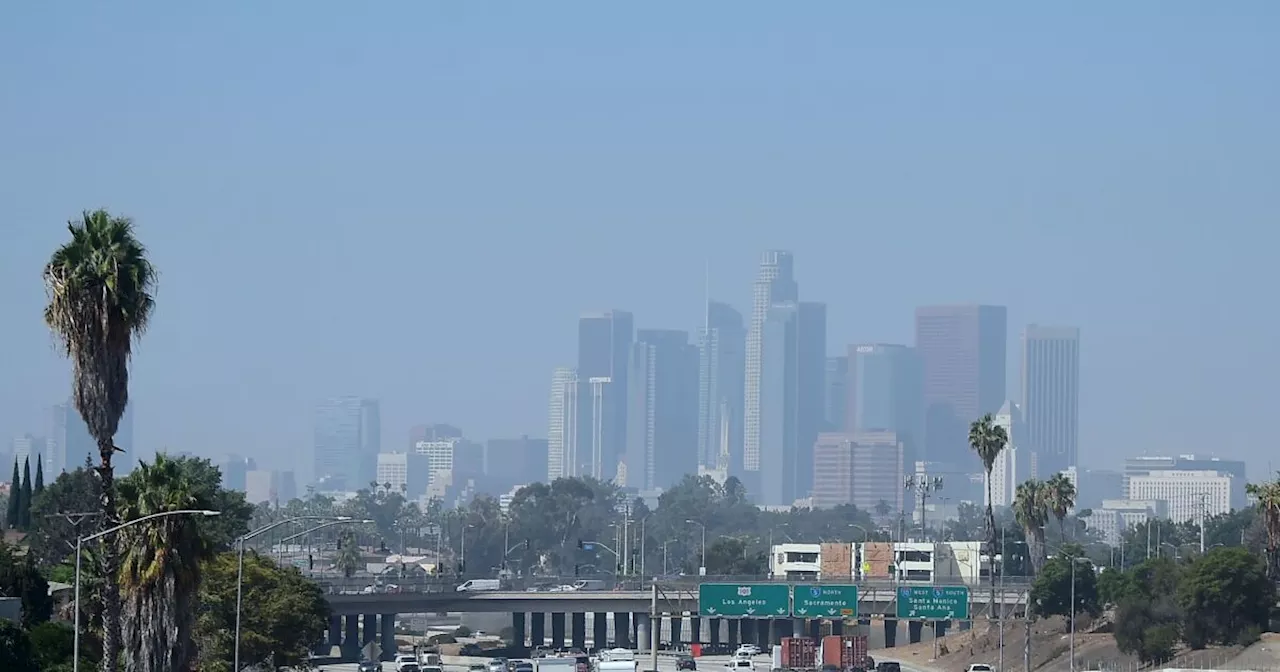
(110, 563)
(991, 543)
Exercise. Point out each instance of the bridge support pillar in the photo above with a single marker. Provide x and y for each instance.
(600, 631)
(677, 630)
(578, 631)
(940, 629)
(713, 624)
(915, 629)
(335, 631)
(644, 635)
(890, 633)
(388, 643)
(537, 629)
(837, 627)
(764, 633)
(517, 630)
(965, 625)
(815, 629)
(557, 630)
(370, 629)
(737, 630)
(635, 627)
(695, 625)
(351, 640)
(622, 629)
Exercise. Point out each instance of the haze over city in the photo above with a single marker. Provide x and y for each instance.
(415, 203)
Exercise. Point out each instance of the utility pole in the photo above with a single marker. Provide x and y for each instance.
(923, 485)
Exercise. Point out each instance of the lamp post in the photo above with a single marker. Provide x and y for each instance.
(1074, 561)
(240, 567)
(702, 566)
(75, 646)
(664, 555)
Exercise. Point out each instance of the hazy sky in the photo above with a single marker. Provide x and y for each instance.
(413, 201)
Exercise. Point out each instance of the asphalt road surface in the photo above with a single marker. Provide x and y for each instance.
(666, 663)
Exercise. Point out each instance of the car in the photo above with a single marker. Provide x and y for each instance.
(413, 667)
(498, 665)
(523, 666)
(404, 659)
(979, 667)
(889, 666)
(477, 667)
(370, 666)
(429, 668)
(747, 650)
(741, 665)
(686, 662)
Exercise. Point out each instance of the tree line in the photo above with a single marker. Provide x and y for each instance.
(22, 490)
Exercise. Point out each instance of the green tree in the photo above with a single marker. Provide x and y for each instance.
(39, 487)
(16, 652)
(13, 516)
(160, 572)
(53, 541)
(24, 514)
(348, 559)
(20, 578)
(1268, 496)
(1148, 619)
(1051, 592)
(54, 644)
(730, 557)
(1060, 498)
(282, 615)
(1222, 594)
(1114, 585)
(987, 439)
(99, 286)
(1030, 508)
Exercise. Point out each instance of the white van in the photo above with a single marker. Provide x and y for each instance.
(480, 584)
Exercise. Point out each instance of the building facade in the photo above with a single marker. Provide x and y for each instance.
(721, 371)
(962, 352)
(393, 472)
(604, 346)
(1192, 496)
(348, 438)
(886, 393)
(511, 462)
(775, 284)
(563, 460)
(836, 399)
(1051, 395)
(1013, 464)
(662, 397)
(775, 480)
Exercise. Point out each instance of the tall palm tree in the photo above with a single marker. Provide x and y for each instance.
(1268, 496)
(348, 560)
(987, 439)
(1060, 498)
(160, 568)
(1030, 508)
(100, 288)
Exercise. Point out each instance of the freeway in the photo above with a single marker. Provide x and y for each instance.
(666, 663)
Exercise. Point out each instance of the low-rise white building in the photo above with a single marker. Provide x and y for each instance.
(393, 472)
(953, 562)
(1190, 494)
(1117, 516)
(795, 561)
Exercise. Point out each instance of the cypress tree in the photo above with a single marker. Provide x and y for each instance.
(24, 514)
(15, 498)
(39, 477)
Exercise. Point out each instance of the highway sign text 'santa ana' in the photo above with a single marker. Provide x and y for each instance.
(824, 601)
(936, 603)
(744, 600)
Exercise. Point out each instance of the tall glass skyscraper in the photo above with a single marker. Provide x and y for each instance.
(962, 349)
(604, 345)
(775, 479)
(1051, 395)
(662, 430)
(886, 393)
(348, 438)
(721, 369)
(775, 284)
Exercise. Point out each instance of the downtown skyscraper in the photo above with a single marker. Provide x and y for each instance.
(885, 393)
(721, 368)
(1051, 396)
(662, 420)
(348, 438)
(604, 346)
(775, 284)
(562, 432)
(962, 350)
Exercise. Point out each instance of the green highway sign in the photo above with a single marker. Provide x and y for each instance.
(824, 601)
(744, 600)
(934, 603)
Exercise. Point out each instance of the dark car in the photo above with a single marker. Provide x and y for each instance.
(888, 666)
(686, 662)
(370, 666)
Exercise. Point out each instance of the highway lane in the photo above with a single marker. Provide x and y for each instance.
(666, 663)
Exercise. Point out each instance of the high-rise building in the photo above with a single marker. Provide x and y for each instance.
(1051, 394)
(434, 432)
(662, 421)
(348, 438)
(775, 482)
(393, 472)
(886, 393)
(1013, 464)
(962, 350)
(28, 447)
(1192, 496)
(272, 487)
(1149, 464)
(562, 434)
(233, 472)
(866, 470)
(69, 443)
(721, 368)
(775, 284)
(836, 399)
(811, 386)
(512, 462)
(440, 465)
(604, 346)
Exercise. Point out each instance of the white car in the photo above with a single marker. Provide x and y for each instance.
(405, 659)
(747, 650)
(979, 667)
(741, 665)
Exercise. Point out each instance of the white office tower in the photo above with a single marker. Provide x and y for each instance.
(1117, 516)
(393, 472)
(1191, 495)
(1011, 466)
(774, 284)
(720, 472)
(562, 434)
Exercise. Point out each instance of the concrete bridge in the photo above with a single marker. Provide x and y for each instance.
(632, 610)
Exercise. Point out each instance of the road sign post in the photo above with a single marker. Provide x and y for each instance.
(933, 603)
(824, 601)
(744, 600)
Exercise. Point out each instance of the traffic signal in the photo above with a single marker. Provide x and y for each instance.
(527, 545)
(579, 543)
(311, 562)
(575, 569)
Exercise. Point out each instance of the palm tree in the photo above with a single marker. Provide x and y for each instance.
(348, 560)
(1268, 496)
(160, 568)
(987, 439)
(1030, 508)
(99, 287)
(1060, 498)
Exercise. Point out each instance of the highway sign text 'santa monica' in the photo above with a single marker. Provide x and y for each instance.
(938, 603)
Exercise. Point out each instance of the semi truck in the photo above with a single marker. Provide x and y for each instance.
(833, 653)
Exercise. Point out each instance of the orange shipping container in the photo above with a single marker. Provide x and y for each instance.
(846, 652)
(799, 653)
(837, 561)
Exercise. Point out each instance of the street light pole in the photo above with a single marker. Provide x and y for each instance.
(75, 646)
(702, 568)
